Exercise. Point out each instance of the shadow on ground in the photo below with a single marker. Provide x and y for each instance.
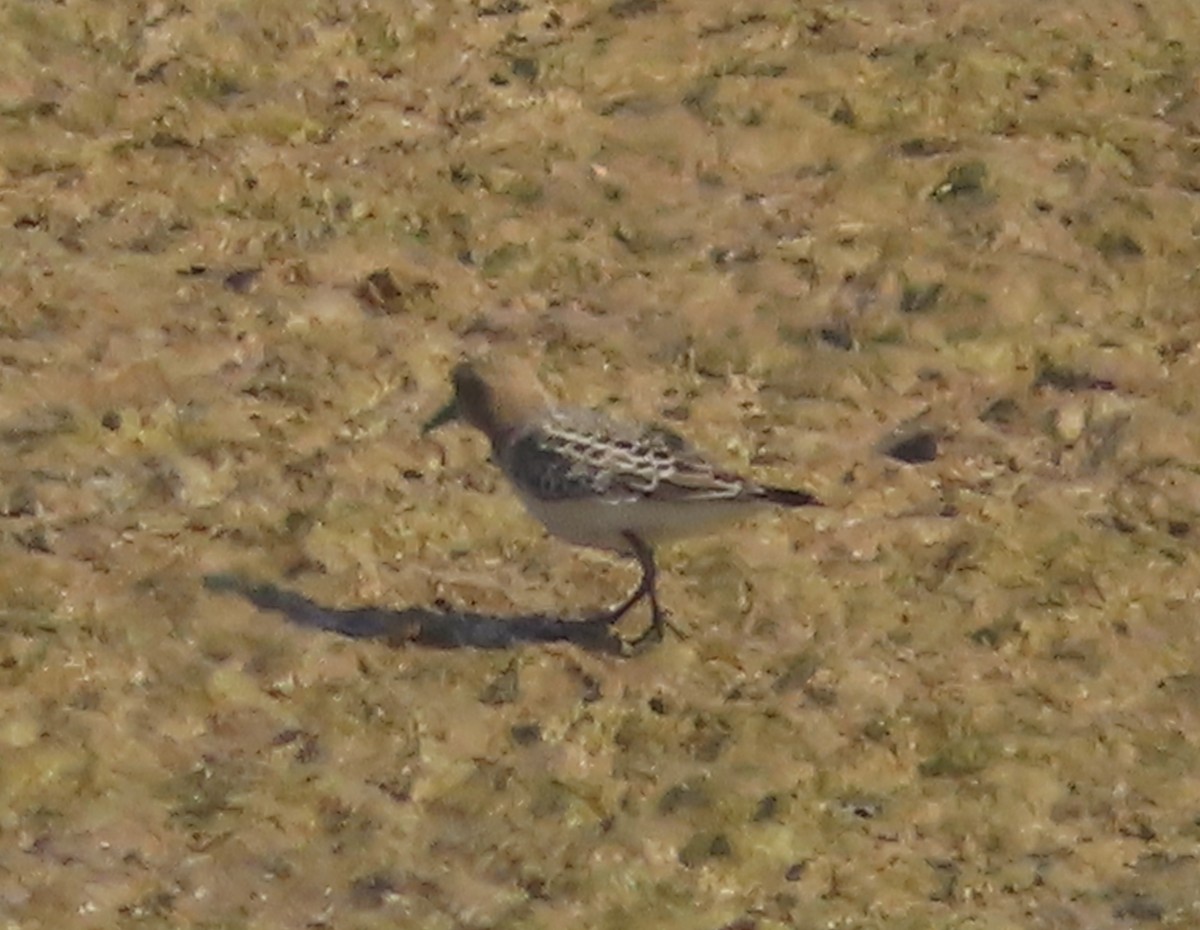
(424, 626)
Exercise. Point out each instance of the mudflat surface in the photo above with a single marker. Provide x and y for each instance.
(270, 659)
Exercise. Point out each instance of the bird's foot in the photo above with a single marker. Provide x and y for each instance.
(654, 634)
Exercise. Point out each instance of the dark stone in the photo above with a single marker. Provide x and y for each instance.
(915, 448)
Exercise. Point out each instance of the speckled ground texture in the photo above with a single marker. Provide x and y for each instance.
(270, 659)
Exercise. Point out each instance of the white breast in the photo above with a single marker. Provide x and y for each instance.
(601, 523)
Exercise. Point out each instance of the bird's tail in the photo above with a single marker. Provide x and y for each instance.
(788, 497)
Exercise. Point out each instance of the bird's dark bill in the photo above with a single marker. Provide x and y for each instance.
(442, 417)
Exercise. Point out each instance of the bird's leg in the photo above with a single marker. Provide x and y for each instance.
(646, 589)
(658, 617)
(645, 586)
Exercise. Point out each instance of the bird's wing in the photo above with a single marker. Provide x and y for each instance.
(584, 454)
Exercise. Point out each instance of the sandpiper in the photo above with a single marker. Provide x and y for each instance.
(597, 482)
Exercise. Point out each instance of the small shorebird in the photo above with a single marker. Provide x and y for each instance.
(596, 482)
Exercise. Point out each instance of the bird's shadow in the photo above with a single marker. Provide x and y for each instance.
(424, 626)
